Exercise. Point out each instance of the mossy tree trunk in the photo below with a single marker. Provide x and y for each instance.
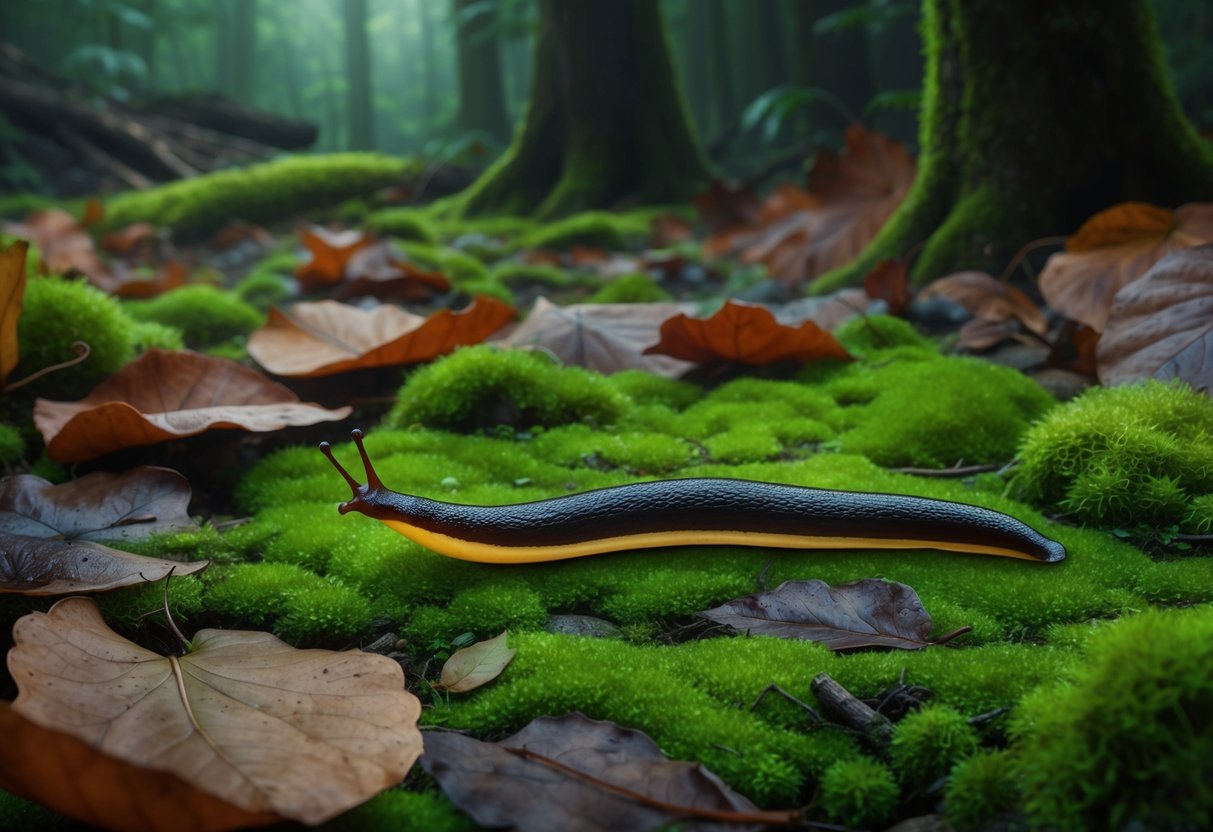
(481, 95)
(1035, 116)
(358, 76)
(606, 122)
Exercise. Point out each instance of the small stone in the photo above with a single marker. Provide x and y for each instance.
(582, 625)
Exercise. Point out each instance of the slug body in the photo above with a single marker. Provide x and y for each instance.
(691, 512)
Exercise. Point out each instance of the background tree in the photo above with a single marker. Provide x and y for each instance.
(481, 91)
(1035, 116)
(358, 73)
(606, 120)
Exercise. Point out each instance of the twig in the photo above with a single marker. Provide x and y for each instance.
(82, 350)
(1194, 538)
(762, 573)
(1023, 252)
(946, 637)
(988, 716)
(954, 471)
(774, 688)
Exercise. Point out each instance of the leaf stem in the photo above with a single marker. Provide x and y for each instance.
(82, 350)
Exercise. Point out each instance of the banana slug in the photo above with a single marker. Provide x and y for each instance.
(690, 512)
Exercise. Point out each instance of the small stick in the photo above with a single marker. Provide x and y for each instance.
(774, 688)
(840, 705)
(954, 471)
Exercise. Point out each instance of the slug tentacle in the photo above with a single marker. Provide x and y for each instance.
(704, 511)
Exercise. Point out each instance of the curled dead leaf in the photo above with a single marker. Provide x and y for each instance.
(306, 734)
(50, 566)
(164, 395)
(331, 251)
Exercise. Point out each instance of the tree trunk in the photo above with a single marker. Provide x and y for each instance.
(721, 79)
(481, 96)
(244, 52)
(358, 74)
(429, 69)
(606, 121)
(1035, 117)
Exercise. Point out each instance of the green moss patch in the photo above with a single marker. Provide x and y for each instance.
(204, 315)
(403, 224)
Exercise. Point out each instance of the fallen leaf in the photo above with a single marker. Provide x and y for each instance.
(1161, 326)
(572, 772)
(867, 613)
(331, 251)
(65, 246)
(72, 778)
(744, 333)
(988, 298)
(239, 231)
(94, 212)
(164, 395)
(125, 241)
(380, 271)
(1114, 248)
(1074, 349)
(475, 666)
(723, 207)
(670, 229)
(980, 334)
(326, 337)
(12, 293)
(604, 337)
(827, 311)
(243, 716)
(125, 283)
(49, 566)
(889, 280)
(97, 506)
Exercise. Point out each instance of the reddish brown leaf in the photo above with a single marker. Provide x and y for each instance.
(169, 275)
(331, 251)
(1161, 326)
(51, 566)
(97, 506)
(94, 212)
(988, 298)
(572, 772)
(125, 241)
(670, 230)
(38, 764)
(889, 281)
(380, 271)
(1114, 248)
(868, 613)
(164, 395)
(66, 247)
(723, 207)
(744, 333)
(1074, 349)
(319, 339)
(239, 231)
(12, 294)
(243, 716)
(605, 337)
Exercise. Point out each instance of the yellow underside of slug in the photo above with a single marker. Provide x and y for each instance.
(455, 547)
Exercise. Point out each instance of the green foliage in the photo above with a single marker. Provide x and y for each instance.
(1129, 741)
(928, 742)
(403, 224)
(523, 274)
(648, 389)
(630, 288)
(459, 268)
(403, 811)
(206, 316)
(17, 813)
(129, 607)
(260, 193)
(12, 446)
(485, 610)
(865, 334)
(1140, 454)
(262, 289)
(59, 312)
(481, 387)
(981, 788)
(594, 229)
(151, 335)
(859, 792)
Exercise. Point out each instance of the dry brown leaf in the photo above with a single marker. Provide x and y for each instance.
(889, 280)
(988, 298)
(97, 506)
(326, 337)
(605, 337)
(66, 247)
(73, 779)
(475, 666)
(572, 772)
(12, 293)
(1161, 326)
(164, 395)
(243, 716)
(382, 272)
(1114, 248)
(670, 229)
(747, 334)
(723, 207)
(125, 241)
(125, 283)
(827, 311)
(51, 566)
(331, 251)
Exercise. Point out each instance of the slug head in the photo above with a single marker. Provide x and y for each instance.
(365, 498)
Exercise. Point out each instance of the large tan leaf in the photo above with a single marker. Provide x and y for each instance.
(164, 395)
(326, 337)
(605, 337)
(243, 716)
(1161, 326)
(1114, 248)
(12, 293)
(74, 779)
(53, 566)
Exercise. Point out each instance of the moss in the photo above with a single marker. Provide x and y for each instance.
(936, 412)
(485, 610)
(630, 288)
(330, 615)
(262, 289)
(202, 544)
(980, 789)
(12, 446)
(1139, 454)
(59, 312)
(403, 811)
(129, 608)
(646, 388)
(283, 262)
(642, 453)
(205, 315)
(866, 334)
(18, 813)
(593, 229)
(403, 224)
(1129, 740)
(261, 193)
(455, 265)
(859, 792)
(523, 274)
(928, 742)
(480, 387)
(150, 335)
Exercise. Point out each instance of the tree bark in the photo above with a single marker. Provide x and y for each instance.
(1035, 117)
(244, 52)
(606, 121)
(481, 95)
(358, 75)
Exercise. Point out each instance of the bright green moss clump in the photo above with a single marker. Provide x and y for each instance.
(262, 289)
(630, 288)
(980, 788)
(594, 229)
(150, 335)
(12, 446)
(1129, 742)
(276, 190)
(403, 224)
(402, 811)
(481, 387)
(59, 312)
(1125, 456)
(206, 316)
(928, 742)
(859, 792)
(866, 334)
